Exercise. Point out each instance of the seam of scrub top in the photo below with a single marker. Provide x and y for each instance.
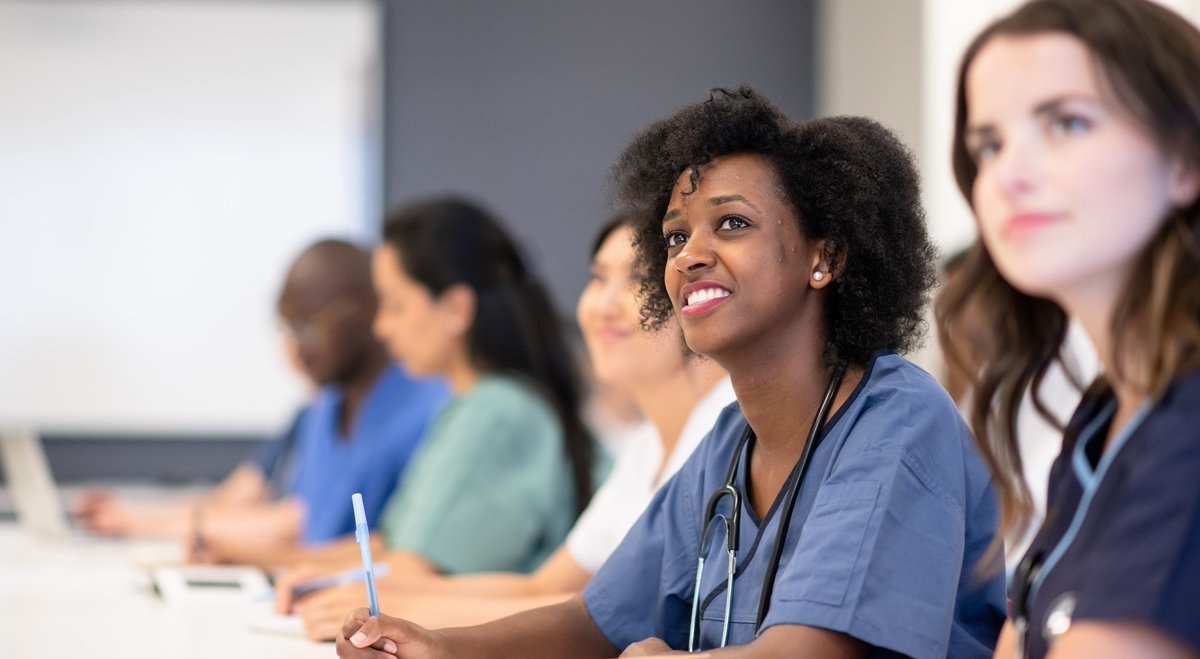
(1090, 481)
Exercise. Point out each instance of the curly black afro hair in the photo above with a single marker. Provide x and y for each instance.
(850, 181)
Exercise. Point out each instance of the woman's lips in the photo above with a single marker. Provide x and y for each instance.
(1023, 225)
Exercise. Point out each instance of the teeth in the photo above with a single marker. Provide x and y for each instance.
(705, 294)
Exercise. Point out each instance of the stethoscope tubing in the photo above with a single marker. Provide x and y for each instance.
(732, 523)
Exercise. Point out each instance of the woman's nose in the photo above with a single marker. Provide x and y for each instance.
(1017, 165)
(696, 254)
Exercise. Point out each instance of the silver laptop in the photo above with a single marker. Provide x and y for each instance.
(30, 484)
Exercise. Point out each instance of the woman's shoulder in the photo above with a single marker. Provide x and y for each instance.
(1181, 402)
(894, 377)
(901, 408)
(1163, 446)
(503, 389)
(504, 398)
(897, 393)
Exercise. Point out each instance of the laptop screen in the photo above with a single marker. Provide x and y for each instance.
(30, 483)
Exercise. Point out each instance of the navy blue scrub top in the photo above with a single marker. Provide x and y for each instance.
(1121, 541)
(895, 515)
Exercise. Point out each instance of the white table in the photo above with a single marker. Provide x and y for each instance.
(92, 598)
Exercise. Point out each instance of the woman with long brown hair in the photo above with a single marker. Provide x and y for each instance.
(1077, 144)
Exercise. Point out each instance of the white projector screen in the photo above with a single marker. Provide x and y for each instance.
(160, 165)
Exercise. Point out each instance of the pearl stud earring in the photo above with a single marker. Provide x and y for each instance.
(818, 275)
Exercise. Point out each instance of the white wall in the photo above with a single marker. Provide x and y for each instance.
(160, 164)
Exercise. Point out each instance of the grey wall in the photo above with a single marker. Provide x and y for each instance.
(525, 105)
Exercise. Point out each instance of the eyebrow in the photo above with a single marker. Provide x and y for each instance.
(1042, 109)
(727, 199)
(715, 201)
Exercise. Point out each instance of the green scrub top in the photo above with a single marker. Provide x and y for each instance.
(491, 488)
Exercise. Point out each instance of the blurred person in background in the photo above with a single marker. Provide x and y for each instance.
(358, 433)
(679, 392)
(1077, 145)
(508, 464)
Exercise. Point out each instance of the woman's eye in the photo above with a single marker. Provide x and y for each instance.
(733, 222)
(983, 151)
(675, 239)
(1068, 124)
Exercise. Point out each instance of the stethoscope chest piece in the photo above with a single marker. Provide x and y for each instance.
(1058, 620)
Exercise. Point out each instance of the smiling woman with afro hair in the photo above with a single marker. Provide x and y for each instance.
(849, 180)
(843, 479)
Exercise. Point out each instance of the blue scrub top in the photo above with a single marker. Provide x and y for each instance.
(894, 516)
(326, 467)
(1121, 542)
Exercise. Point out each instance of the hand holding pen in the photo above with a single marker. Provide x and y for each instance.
(304, 580)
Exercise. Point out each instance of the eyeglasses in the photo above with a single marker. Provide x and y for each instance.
(319, 324)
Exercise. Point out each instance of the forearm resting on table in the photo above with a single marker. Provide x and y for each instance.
(244, 485)
(562, 630)
(261, 525)
(244, 489)
(436, 611)
(778, 642)
(559, 574)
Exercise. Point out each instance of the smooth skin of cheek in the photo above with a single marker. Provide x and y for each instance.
(408, 321)
(622, 354)
(1069, 189)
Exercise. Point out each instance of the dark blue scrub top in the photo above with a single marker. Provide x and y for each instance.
(1121, 540)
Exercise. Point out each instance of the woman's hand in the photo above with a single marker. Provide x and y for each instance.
(324, 610)
(650, 647)
(287, 581)
(104, 514)
(385, 637)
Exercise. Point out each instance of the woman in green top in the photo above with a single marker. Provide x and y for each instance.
(507, 467)
(508, 464)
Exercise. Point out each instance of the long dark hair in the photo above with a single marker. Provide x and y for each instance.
(448, 241)
(1150, 58)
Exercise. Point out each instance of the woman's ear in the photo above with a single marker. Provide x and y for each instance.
(827, 264)
(456, 305)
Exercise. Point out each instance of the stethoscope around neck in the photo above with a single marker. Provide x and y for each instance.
(732, 523)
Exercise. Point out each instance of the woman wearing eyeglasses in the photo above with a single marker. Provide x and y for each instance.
(795, 256)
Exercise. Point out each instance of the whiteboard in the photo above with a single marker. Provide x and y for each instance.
(160, 165)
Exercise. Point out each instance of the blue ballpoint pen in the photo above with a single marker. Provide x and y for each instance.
(363, 536)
